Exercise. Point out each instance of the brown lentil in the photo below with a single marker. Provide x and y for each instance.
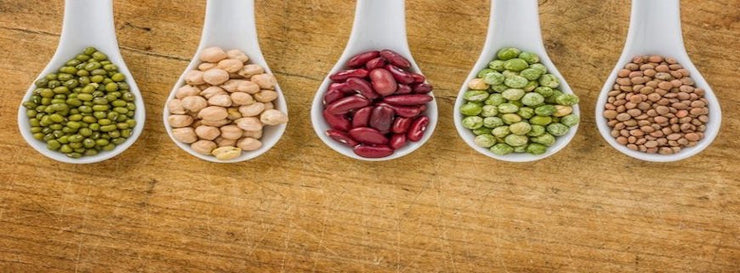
(655, 107)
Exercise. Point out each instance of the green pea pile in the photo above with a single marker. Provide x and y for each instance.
(84, 108)
(514, 105)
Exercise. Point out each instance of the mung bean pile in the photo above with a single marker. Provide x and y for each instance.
(515, 106)
(83, 108)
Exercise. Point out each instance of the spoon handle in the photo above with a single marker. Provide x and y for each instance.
(516, 20)
(380, 23)
(230, 24)
(655, 26)
(87, 23)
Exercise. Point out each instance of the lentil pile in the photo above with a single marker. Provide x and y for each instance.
(655, 106)
(83, 108)
(224, 106)
(377, 105)
(515, 106)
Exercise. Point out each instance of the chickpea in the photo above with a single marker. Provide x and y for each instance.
(273, 117)
(207, 132)
(233, 113)
(177, 121)
(184, 135)
(248, 87)
(249, 124)
(250, 70)
(213, 113)
(217, 123)
(212, 91)
(206, 66)
(186, 91)
(252, 110)
(215, 76)
(220, 100)
(194, 77)
(221, 142)
(269, 105)
(266, 96)
(203, 147)
(231, 85)
(238, 55)
(175, 107)
(265, 81)
(249, 144)
(194, 103)
(241, 98)
(226, 152)
(212, 54)
(231, 132)
(253, 134)
(230, 65)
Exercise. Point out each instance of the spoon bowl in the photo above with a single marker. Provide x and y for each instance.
(371, 33)
(513, 23)
(655, 29)
(230, 24)
(77, 34)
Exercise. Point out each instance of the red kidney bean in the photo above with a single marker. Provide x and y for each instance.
(362, 117)
(397, 141)
(383, 81)
(339, 122)
(368, 135)
(418, 78)
(423, 108)
(362, 58)
(341, 137)
(332, 95)
(401, 125)
(363, 87)
(346, 74)
(347, 104)
(399, 74)
(408, 100)
(373, 151)
(395, 58)
(422, 88)
(403, 89)
(341, 87)
(382, 118)
(417, 129)
(375, 63)
(404, 111)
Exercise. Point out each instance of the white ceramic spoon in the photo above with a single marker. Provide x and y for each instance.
(78, 32)
(229, 24)
(655, 29)
(378, 25)
(513, 23)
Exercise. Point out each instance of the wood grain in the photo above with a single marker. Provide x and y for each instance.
(302, 207)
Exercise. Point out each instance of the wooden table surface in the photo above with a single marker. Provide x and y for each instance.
(303, 207)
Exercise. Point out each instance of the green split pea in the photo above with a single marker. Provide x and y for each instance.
(521, 110)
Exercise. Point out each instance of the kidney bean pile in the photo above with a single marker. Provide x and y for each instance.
(377, 105)
(654, 106)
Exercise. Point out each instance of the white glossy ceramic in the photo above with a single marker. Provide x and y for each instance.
(230, 24)
(78, 33)
(513, 23)
(378, 24)
(655, 29)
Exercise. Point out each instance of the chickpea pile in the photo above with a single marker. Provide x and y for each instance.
(655, 107)
(224, 106)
